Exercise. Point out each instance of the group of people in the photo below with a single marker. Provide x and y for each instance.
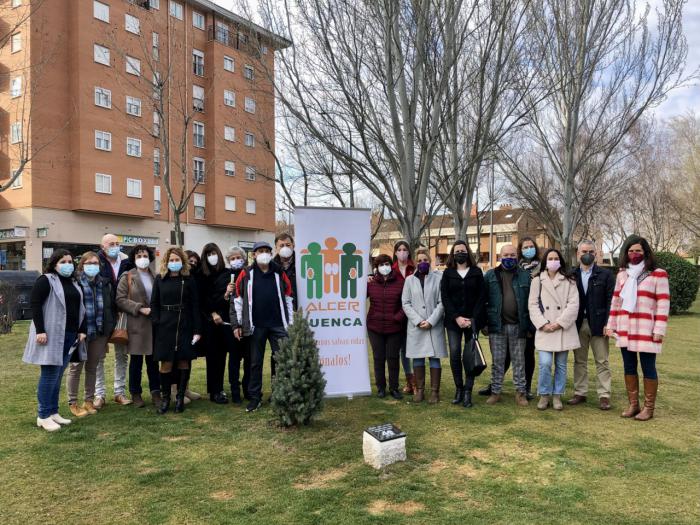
(530, 301)
(217, 306)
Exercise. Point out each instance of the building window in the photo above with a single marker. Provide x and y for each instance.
(198, 169)
(103, 183)
(248, 72)
(133, 188)
(103, 140)
(157, 86)
(198, 62)
(249, 139)
(250, 173)
(17, 183)
(229, 203)
(16, 3)
(229, 168)
(198, 20)
(16, 133)
(155, 44)
(133, 106)
(223, 34)
(103, 97)
(133, 66)
(229, 98)
(198, 98)
(156, 162)
(176, 10)
(156, 199)
(154, 4)
(100, 11)
(242, 39)
(133, 147)
(250, 206)
(156, 125)
(229, 133)
(199, 205)
(263, 50)
(132, 24)
(473, 239)
(101, 55)
(198, 134)
(16, 42)
(250, 105)
(229, 64)
(16, 87)
(504, 237)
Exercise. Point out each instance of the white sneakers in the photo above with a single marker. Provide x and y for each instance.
(52, 423)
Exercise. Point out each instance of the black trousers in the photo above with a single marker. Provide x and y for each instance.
(258, 341)
(239, 352)
(386, 349)
(454, 339)
(220, 342)
(529, 361)
(136, 369)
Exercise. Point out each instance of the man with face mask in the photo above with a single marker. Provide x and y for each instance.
(262, 309)
(507, 291)
(284, 248)
(113, 263)
(595, 289)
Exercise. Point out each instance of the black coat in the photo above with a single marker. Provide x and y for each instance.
(463, 297)
(595, 305)
(213, 288)
(173, 330)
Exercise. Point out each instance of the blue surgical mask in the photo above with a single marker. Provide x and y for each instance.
(113, 251)
(91, 270)
(65, 269)
(174, 266)
(529, 253)
(509, 263)
(237, 264)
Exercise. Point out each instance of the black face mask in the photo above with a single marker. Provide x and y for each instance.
(587, 259)
(461, 257)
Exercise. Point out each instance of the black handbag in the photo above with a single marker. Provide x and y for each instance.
(473, 357)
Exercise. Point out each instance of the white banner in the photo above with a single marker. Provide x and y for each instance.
(332, 261)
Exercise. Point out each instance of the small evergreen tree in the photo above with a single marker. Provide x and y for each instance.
(298, 387)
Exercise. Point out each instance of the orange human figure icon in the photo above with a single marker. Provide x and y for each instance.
(331, 266)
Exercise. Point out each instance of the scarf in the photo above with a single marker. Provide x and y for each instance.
(529, 265)
(94, 306)
(629, 290)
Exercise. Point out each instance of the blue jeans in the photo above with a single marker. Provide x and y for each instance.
(419, 362)
(50, 378)
(544, 382)
(647, 360)
(405, 361)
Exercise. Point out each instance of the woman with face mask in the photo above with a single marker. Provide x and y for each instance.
(638, 319)
(100, 319)
(422, 304)
(385, 325)
(176, 321)
(462, 292)
(553, 307)
(58, 327)
(134, 298)
(216, 278)
(240, 351)
(403, 267)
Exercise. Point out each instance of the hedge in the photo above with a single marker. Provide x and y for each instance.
(684, 280)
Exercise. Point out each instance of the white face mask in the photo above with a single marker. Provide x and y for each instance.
(236, 264)
(143, 262)
(286, 252)
(263, 258)
(213, 260)
(384, 269)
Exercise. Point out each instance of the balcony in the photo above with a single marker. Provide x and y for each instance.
(143, 4)
(198, 104)
(227, 37)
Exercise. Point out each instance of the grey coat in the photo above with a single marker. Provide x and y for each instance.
(54, 309)
(138, 326)
(424, 303)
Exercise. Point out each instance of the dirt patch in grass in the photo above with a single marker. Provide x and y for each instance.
(173, 439)
(437, 466)
(221, 495)
(319, 480)
(407, 508)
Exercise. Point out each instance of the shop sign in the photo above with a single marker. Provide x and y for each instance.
(137, 239)
(17, 232)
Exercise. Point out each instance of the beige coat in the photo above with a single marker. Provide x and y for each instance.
(560, 301)
(138, 325)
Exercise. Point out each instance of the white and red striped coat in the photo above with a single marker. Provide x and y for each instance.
(635, 330)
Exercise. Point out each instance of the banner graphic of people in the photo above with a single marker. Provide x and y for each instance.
(333, 246)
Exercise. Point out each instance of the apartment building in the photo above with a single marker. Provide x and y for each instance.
(113, 97)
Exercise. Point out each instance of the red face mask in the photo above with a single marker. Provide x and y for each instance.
(636, 258)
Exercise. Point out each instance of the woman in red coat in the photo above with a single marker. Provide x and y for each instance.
(638, 319)
(386, 324)
(403, 267)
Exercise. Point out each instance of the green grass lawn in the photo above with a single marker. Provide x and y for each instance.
(217, 464)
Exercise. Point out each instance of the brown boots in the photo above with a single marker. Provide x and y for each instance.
(650, 388)
(419, 378)
(410, 387)
(419, 393)
(435, 375)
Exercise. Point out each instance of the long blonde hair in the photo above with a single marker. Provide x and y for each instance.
(181, 254)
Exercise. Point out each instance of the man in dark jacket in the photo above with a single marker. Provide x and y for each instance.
(595, 289)
(262, 310)
(113, 263)
(285, 258)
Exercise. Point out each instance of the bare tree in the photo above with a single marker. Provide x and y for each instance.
(605, 68)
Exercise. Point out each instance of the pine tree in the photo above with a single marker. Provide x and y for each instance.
(298, 387)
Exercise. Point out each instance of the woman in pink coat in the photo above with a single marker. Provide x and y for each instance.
(638, 320)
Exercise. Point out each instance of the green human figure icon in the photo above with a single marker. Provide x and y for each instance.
(312, 270)
(350, 271)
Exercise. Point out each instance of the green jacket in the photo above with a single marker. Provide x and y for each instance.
(494, 300)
